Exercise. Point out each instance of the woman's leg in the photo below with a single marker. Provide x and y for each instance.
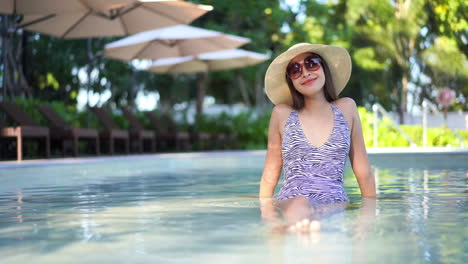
(298, 212)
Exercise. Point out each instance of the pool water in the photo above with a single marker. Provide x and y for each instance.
(198, 208)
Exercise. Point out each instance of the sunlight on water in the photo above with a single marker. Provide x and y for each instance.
(200, 209)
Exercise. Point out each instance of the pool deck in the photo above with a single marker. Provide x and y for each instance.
(373, 152)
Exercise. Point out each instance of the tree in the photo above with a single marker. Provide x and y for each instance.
(394, 28)
(13, 47)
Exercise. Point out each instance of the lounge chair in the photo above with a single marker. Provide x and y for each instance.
(203, 140)
(27, 128)
(168, 133)
(111, 132)
(62, 131)
(138, 134)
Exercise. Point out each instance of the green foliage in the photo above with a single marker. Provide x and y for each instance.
(464, 135)
(365, 58)
(29, 107)
(389, 136)
(367, 128)
(445, 57)
(250, 128)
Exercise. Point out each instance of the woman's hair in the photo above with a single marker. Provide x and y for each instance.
(329, 88)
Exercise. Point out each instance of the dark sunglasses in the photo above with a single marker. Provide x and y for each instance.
(294, 70)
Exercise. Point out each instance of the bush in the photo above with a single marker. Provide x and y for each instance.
(389, 136)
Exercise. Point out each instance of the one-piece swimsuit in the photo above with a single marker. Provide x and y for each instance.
(314, 172)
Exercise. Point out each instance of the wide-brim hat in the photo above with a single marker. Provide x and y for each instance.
(337, 59)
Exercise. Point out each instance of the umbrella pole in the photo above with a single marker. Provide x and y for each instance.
(202, 80)
(88, 86)
(3, 36)
(2, 51)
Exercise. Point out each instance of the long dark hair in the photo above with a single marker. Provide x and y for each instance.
(329, 88)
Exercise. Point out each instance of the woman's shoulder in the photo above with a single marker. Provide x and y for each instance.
(281, 110)
(345, 104)
(348, 108)
(281, 114)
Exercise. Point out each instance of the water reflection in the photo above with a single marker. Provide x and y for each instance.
(418, 217)
(209, 216)
(340, 240)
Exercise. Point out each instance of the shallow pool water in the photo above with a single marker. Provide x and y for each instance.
(198, 208)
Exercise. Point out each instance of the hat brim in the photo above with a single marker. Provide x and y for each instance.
(337, 59)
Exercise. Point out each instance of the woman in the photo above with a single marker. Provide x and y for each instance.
(311, 133)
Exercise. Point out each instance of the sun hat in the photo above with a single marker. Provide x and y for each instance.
(337, 59)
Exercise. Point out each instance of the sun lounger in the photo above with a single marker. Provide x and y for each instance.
(62, 131)
(167, 132)
(111, 132)
(138, 134)
(27, 128)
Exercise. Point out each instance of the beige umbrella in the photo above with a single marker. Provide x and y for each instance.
(104, 18)
(38, 6)
(212, 61)
(175, 41)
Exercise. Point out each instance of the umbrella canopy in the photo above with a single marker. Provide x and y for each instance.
(175, 41)
(38, 6)
(103, 18)
(212, 61)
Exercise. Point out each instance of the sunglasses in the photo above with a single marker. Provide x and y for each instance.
(294, 70)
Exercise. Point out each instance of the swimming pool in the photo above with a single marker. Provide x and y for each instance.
(195, 208)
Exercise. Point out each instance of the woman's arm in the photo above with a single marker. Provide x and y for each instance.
(272, 169)
(358, 154)
(274, 160)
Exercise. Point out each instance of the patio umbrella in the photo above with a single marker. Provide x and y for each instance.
(212, 61)
(38, 6)
(102, 18)
(175, 41)
(205, 62)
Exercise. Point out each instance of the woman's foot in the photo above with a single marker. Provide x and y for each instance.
(305, 226)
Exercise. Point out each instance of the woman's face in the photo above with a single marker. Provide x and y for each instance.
(306, 73)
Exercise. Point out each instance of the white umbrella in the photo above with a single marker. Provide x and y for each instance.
(102, 18)
(175, 41)
(212, 61)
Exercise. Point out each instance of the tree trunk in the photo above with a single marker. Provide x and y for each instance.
(259, 94)
(14, 80)
(403, 102)
(3, 64)
(133, 89)
(20, 66)
(166, 101)
(202, 82)
(243, 88)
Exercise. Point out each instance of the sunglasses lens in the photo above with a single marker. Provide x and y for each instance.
(312, 64)
(294, 70)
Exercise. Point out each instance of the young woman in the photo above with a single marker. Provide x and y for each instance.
(311, 134)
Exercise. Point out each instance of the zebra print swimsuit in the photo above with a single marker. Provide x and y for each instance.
(314, 172)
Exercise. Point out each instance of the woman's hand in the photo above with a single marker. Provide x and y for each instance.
(268, 210)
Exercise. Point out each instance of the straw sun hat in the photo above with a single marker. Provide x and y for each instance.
(337, 59)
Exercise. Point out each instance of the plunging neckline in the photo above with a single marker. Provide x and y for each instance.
(329, 136)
